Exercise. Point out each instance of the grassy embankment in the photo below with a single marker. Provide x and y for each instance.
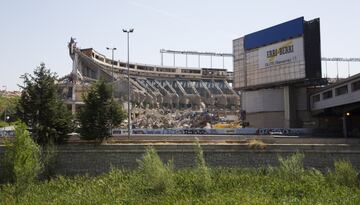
(157, 183)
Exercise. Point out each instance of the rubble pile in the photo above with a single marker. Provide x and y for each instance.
(167, 118)
(153, 118)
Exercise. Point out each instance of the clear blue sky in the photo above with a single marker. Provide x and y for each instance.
(37, 31)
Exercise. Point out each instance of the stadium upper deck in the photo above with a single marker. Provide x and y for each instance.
(151, 84)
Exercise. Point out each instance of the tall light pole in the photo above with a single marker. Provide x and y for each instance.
(112, 81)
(128, 31)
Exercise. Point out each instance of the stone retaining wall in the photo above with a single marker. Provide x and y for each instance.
(97, 159)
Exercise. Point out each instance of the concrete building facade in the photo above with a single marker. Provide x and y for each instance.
(275, 69)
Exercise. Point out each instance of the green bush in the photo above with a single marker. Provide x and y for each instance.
(345, 174)
(21, 159)
(291, 167)
(8, 105)
(156, 176)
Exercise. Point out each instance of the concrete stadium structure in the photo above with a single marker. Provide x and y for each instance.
(153, 85)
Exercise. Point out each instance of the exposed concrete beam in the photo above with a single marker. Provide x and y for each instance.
(180, 87)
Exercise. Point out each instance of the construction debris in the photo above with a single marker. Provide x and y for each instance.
(166, 118)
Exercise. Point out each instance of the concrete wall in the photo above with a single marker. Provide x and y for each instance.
(266, 119)
(282, 107)
(239, 61)
(97, 159)
(352, 96)
(264, 100)
(264, 108)
(301, 98)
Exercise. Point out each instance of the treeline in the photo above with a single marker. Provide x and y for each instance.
(50, 121)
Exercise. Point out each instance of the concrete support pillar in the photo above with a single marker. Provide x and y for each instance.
(98, 74)
(344, 126)
(289, 107)
(75, 67)
(73, 108)
(73, 98)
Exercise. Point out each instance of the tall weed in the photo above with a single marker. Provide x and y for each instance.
(345, 174)
(202, 181)
(291, 167)
(156, 176)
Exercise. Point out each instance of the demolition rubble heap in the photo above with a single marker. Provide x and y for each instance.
(166, 118)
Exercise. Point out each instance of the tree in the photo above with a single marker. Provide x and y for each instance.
(99, 113)
(41, 108)
(8, 108)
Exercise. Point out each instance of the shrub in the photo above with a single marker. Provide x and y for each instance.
(292, 166)
(156, 176)
(345, 174)
(21, 159)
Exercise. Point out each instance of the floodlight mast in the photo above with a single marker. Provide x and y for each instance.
(112, 81)
(128, 31)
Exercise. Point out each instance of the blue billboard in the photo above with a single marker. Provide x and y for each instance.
(284, 31)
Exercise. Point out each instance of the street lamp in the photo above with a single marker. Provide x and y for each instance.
(112, 80)
(128, 31)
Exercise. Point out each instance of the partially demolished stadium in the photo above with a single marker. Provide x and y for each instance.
(150, 85)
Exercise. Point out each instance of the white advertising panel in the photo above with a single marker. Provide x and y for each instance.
(285, 52)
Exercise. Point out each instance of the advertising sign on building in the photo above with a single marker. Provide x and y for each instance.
(284, 52)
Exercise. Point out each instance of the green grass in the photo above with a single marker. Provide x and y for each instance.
(156, 182)
(230, 186)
